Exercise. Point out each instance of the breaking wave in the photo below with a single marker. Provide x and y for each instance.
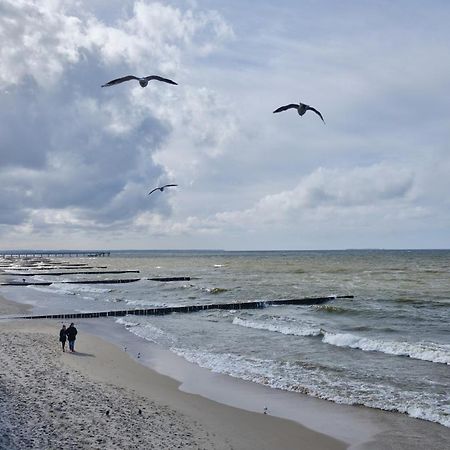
(296, 330)
(426, 351)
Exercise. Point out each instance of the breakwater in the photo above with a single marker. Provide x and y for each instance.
(163, 310)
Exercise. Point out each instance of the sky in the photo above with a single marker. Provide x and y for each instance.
(77, 161)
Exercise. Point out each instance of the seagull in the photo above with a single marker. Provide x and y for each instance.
(143, 81)
(301, 109)
(162, 188)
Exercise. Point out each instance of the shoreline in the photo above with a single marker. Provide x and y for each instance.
(349, 426)
(100, 377)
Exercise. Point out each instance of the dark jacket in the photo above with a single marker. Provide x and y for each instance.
(62, 335)
(71, 332)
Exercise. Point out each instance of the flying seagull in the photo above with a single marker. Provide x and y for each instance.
(143, 81)
(161, 188)
(301, 109)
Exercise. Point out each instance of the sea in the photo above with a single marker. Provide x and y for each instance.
(387, 348)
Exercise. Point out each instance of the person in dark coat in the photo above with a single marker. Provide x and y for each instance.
(63, 337)
(71, 334)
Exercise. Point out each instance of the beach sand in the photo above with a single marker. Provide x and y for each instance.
(100, 398)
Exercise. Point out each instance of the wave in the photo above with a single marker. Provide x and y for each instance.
(291, 329)
(126, 322)
(216, 290)
(61, 288)
(146, 331)
(315, 382)
(425, 351)
(336, 309)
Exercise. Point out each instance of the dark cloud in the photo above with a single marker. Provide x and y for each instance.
(62, 136)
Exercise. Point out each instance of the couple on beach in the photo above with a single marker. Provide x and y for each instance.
(69, 334)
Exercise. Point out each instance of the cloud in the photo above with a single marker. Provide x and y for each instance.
(72, 152)
(327, 192)
(41, 38)
(79, 159)
(345, 197)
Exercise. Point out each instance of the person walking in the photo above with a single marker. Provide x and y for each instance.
(71, 334)
(63, 337)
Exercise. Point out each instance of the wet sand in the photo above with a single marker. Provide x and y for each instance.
(92, 399)
(100, 398)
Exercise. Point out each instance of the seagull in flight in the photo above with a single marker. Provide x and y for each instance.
(161, 188)
(143, 81)
(301, 109)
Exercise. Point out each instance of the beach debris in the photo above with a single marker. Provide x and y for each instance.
(301, 109)
(140, 411)
(143, 81)
(125, 349)
(107, 412)
(161, 188)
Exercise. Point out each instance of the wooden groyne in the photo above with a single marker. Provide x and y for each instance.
(27, 283)
(59, 268)
(122, 280)
(163, 310)
(47, 283)
(31, 274)
(166, 279)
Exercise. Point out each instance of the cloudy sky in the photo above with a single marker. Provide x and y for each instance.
(77, 160)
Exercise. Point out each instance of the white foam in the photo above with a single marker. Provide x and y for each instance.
(291, 329)
(147, 331)
(52, 289)
(126, 322)
(317, 383)
(426, 351)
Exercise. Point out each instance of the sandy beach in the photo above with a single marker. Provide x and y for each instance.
(100, 398)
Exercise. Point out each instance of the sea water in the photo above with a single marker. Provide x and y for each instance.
(386, 348)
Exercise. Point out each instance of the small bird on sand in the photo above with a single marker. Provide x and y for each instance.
(301, 109)
(143, 81)
(139, 355)
(265, 410)
(161, 188)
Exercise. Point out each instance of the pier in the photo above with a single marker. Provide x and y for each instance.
(164, 310)
(56, 274)
(52, 253)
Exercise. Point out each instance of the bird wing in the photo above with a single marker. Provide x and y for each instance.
(120, 80)
(170, 185)
(156, 77)
(317, 112)
(153, 190)
(285, 107)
